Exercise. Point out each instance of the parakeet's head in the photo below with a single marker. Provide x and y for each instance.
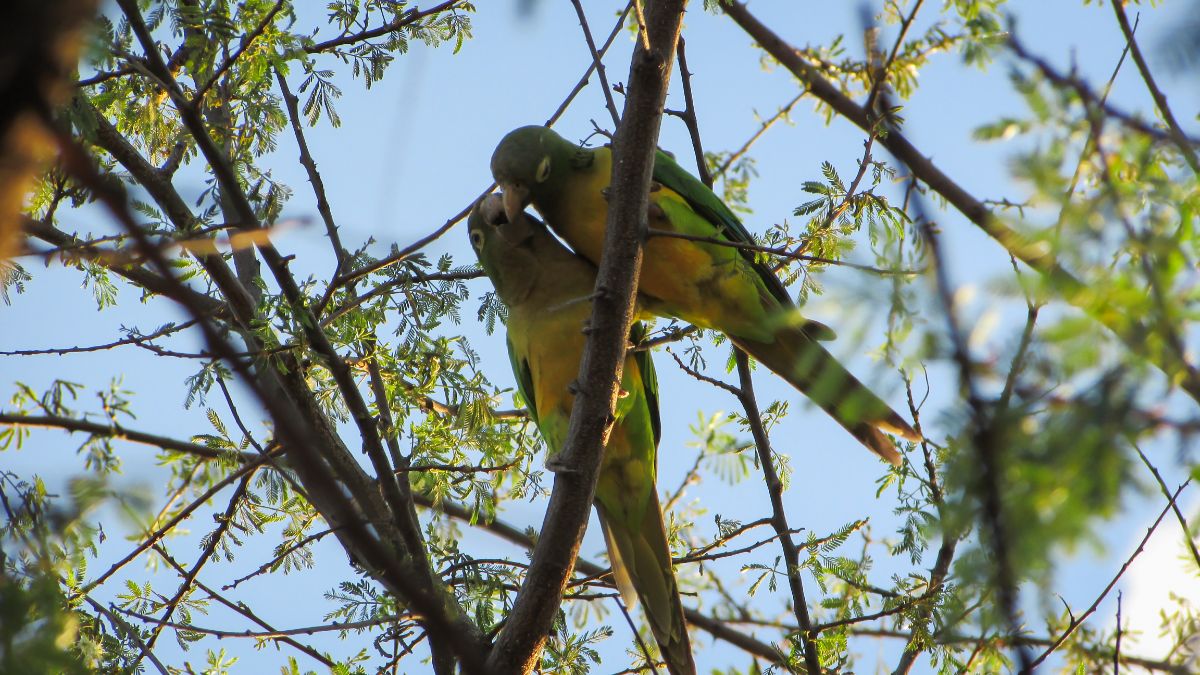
(529, 163)
(503, 247)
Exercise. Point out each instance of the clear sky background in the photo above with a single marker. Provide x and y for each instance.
(414, 150)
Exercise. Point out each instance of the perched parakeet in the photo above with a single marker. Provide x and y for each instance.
(711, 285)
(546, 289)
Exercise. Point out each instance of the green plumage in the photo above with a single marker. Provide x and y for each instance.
(704, 282)
(546, 287)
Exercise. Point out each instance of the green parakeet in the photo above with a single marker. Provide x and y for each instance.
(546, 289)
(711, 285)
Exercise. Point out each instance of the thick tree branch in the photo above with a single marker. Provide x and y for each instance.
(316, 451)
(520, 642)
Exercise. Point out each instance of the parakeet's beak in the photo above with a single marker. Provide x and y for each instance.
(491, 208)
(516, 198)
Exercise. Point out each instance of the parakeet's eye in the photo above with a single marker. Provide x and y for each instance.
(477, 239)
(543, 171)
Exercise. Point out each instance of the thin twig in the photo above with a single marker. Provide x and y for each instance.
(249, 39)
(689, 117)
(456, 218)
(599, 63)
(168, 329)
(774, 485)
(702, 377)
(1183, 524)
(783, 112)
(210, 548)
(637, 636)
(984, 437)
(264, 635)
(1160, 99)
(121, 625)
(1184, 142)
(1033, 253)
(1078, 621)
(587, 74)
(114, 430)
(242, 609)
(407, 19)
(780, 252)
(270, 564)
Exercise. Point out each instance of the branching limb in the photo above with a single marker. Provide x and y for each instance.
(133, 339)
(242, 609)
(1183, 523)
(985, 438)
(716, 627)
(214, 540)
(123, 627)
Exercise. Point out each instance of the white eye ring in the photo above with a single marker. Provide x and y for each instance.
(477, 240)
(543, 170)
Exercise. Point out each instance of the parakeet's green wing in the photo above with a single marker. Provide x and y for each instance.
(706, 203)
(520, 368)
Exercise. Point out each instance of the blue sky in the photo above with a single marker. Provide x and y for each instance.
(414, 150)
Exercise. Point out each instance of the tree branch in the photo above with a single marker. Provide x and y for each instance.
(791, 555)
(599, 63)
(1035, 254)
(1078, 621)
(1160, 100)
(114, 430)
(536, 605)
(408, 19)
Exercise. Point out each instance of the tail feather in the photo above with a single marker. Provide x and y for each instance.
(642, 558)
(807, 366)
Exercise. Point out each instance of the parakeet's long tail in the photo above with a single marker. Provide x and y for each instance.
(641, 561)
(807, 366)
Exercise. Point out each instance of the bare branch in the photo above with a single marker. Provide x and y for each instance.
(791, 554)
(214, 540)
(599, 63)
(114, 430)
(1183, 524)
(133, 339)
(1078, 621)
